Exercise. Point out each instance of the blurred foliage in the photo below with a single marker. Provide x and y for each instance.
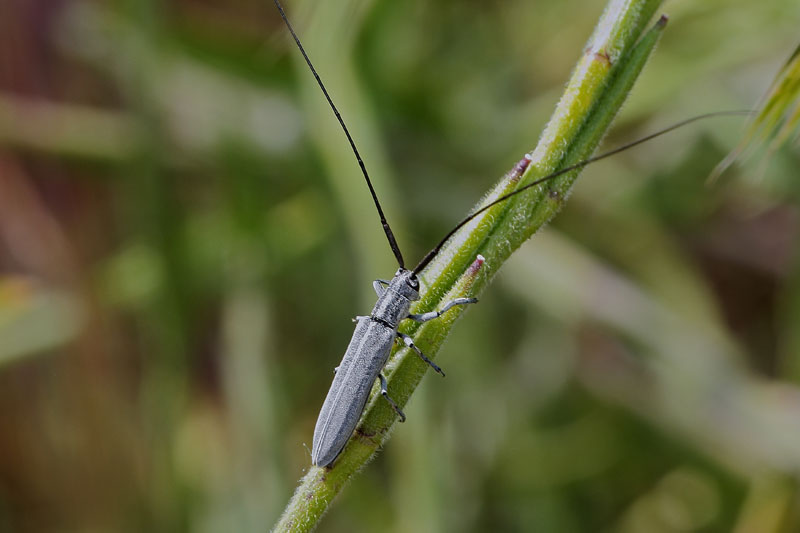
(184, 238)
(777, 118)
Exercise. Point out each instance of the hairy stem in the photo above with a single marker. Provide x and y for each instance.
(603, 77)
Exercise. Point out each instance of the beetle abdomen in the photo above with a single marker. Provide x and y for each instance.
(365, 356)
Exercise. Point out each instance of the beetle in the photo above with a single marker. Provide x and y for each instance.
(366, 354)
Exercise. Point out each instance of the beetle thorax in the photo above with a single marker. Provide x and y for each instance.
(393, 305)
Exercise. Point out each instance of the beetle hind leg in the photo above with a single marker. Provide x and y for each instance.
(385, 394)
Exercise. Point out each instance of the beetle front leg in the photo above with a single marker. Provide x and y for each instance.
(424, 317)
(385, 394)
(408, 341)
(380, 286)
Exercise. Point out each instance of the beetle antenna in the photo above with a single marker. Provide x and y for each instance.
(386, 229)
(577, 166)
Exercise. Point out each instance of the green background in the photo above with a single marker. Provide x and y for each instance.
(184, 237)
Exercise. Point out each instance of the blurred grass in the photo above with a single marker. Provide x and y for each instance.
(776, 120)
(171, 175)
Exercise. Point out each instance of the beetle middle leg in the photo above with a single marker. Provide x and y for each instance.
(385, 394)
(424, 317)
(408, 341)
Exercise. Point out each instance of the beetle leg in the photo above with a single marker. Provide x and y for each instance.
(380, 286)
(408, 341)
(424, 317)
(385, 394)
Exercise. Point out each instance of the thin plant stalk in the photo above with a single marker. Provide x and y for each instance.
(602, 79)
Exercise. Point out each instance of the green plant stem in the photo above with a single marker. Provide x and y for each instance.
(603, 77)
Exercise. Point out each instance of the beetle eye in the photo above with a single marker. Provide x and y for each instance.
(413, 282)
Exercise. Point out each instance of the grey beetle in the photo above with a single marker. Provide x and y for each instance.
(362, 363)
